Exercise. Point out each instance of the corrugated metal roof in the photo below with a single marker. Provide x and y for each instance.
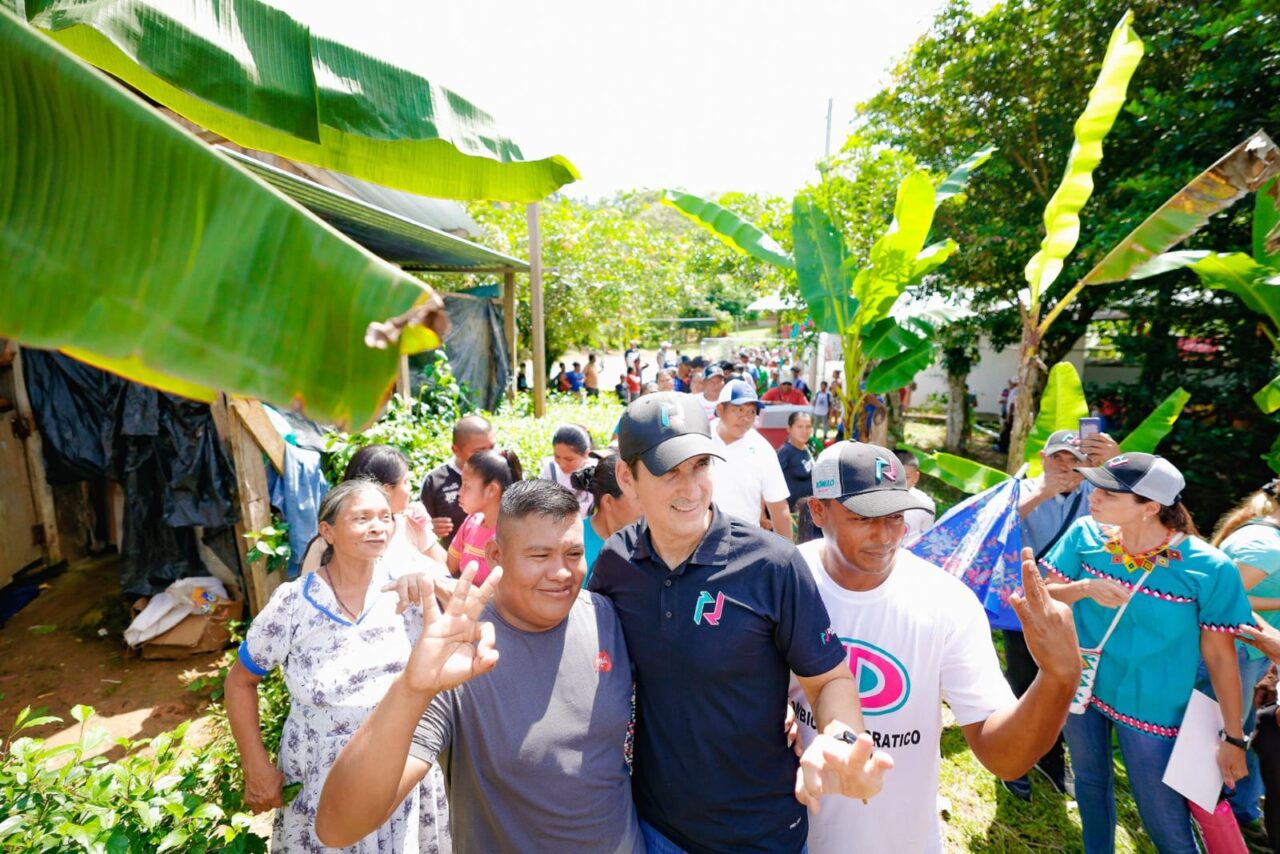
(402, 241)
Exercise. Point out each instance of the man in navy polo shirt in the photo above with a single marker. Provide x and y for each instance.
(717, 613)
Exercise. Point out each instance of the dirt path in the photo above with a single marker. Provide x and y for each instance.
(70, 663)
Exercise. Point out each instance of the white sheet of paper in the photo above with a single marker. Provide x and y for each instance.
(1193, 768)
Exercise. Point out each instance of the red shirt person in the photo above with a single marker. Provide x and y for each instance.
(785, 392)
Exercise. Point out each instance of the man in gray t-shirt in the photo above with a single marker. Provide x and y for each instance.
(532, 752)
(531, 746)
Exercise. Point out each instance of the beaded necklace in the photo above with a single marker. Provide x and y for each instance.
(1146, 561)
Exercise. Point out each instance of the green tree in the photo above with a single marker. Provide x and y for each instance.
(1017, 77)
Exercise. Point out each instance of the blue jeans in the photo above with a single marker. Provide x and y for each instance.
(1247, 797)
(656, 843)
(1164, 812)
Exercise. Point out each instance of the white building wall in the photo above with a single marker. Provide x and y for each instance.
(990, 375)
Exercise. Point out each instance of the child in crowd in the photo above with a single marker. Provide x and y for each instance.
(614, 509)
(485, 477)
(571, 446)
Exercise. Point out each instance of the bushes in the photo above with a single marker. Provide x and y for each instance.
(160, 796)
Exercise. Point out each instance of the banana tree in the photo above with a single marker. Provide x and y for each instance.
(1062, 218)
(131, 245)
(856, 304)
(260, 77)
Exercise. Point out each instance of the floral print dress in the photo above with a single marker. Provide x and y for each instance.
(337, 671)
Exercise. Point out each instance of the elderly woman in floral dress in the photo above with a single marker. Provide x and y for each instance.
(341, 643)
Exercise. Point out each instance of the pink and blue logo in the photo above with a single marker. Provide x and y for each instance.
(883, 683)
(885, 469)
(705, 602)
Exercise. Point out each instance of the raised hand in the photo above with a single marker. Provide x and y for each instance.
(454, 646)
(1047, 625)
(1099, 447)
(833, 767)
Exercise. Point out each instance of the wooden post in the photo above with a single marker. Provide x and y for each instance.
(539, 338)
(402, 378)
(254, 499)
(509, 327)
(41, 492)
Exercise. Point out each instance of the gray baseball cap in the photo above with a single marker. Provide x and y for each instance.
(1064, 440)
(1153, 477)
(867, 479)
(663, 430)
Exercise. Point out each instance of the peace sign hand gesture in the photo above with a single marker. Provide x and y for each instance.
(454, 646)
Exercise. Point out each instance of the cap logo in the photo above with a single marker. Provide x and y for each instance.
(664, 416)
(881, 465)
(1117, 462)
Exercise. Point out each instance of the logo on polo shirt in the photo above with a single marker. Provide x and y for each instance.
(883, 682)
(603, 664)
(828, 635)
(706, 601)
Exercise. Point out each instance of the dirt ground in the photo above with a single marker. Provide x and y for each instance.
(70, 663)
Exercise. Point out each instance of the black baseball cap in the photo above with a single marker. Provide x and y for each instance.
(867, 479)
(663, 430)
(1153, 477)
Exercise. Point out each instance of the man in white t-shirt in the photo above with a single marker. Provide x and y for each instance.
(916, 636)
(749, 474)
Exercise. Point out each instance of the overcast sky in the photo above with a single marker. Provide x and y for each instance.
(705, 95)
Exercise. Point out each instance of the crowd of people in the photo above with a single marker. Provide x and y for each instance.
(691, 641)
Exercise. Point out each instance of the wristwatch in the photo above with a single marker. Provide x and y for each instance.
(1242, 743)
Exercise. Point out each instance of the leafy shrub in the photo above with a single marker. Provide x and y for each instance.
(160, 796)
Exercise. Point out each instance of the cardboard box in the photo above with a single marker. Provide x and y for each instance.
(197, 634)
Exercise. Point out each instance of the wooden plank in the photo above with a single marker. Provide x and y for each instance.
(253, 497)
(509, 327)
(259, 425)
(41, 492)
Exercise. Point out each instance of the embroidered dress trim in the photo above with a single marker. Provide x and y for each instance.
(1220, 627)
(1053, 570)
(1134, 723)
(1146, 561)
(1165, 597)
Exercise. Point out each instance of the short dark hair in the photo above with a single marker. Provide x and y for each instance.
(1175, 517)
(573, 435)
(380, 463)
(501, 467)
(470, 425)
(796, 416)
(907, 459)
(535, 498)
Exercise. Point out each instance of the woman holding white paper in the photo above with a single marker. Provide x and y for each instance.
(1153, 598)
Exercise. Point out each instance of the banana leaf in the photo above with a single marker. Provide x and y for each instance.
(931, 258)
(261, 78)
(821, 271)
(959, 177)
(1268, 397)
(1062, 406)
(1062, 213)
(1146, 437)
(965, 475)
(130, 244)
(887, 337)
(733, 230)
(898, 371)
(1234, 272)
(894, 255)
(1238, 172)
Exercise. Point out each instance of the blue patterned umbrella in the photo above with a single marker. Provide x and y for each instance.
(979, 541)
